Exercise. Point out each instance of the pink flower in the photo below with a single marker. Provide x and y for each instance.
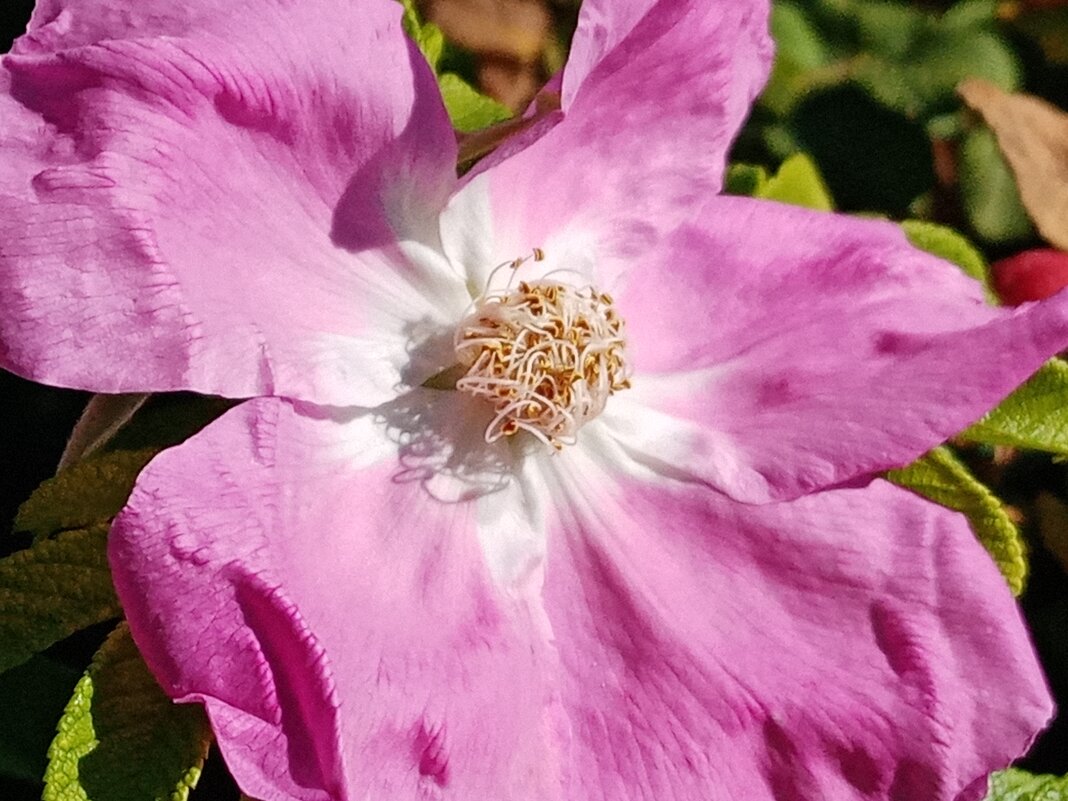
(707, 596)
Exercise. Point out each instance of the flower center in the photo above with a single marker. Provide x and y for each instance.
(546, 355)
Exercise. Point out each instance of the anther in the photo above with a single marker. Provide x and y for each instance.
(545, 354)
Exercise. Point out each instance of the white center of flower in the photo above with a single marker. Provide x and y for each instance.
(546, 355)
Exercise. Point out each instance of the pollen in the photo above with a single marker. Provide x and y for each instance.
(545, 354)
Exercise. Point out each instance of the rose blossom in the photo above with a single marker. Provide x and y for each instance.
(376, 575)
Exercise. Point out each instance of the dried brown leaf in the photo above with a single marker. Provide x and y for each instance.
(1033, 136)
(509, 29)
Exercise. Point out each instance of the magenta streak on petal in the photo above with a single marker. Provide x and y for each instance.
(852, 644)
(854, 641)
(796, 350)
(432, 750)
(338, 621)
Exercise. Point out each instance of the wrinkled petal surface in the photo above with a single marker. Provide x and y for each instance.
(323, 584)
(853, 644)
(61, 24)
(778, 350)
(652, 95)
(231, 208)
(357, 627)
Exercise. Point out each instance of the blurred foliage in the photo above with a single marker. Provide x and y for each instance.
(905, 57)
(469, 109)
(867, 88)
(988, 190)
(797, 181)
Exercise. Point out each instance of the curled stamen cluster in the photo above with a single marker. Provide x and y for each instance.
(546, 355)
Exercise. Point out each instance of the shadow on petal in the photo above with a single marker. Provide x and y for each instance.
(440, 442)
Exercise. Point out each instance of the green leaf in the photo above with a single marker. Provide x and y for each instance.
(426, 35)
(947, 59)
(33, 694)
(799, 183)
(954, 247)
(92, 491)
(86, 494)
(890, 82)
(893, 83)
(988, 190)
(942, 477)
(968, 14)
(887, 28)
(53, 589)
(1019, 785)
(799, 55)
(796, 36)
(469, 109)
(780, 140)
(1034, 416)
(949, 125)
(122, 739)
(745, 180)
(62, 583)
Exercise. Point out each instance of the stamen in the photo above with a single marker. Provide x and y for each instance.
(546, 355)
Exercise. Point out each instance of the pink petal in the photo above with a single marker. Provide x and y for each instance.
(300, 573)
(653, 93)
(59, 24)
(852, 644)
(777, 350)
(222, 210)
(337, 617)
